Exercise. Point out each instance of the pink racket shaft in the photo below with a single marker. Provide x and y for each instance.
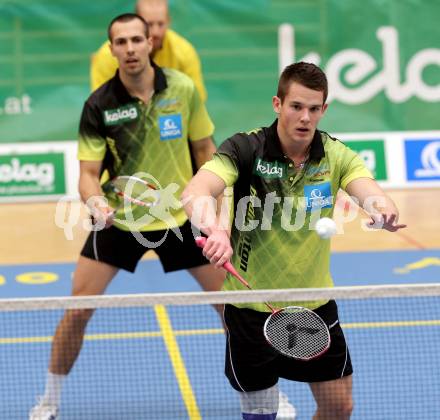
(201, 241)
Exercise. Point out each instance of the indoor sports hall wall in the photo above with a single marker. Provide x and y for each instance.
(382, 59)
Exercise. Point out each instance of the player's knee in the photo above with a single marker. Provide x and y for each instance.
(340, 408)
(347, 407)
(259, 405)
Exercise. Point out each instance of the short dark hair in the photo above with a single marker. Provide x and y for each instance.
(127, 17)
(306, 74)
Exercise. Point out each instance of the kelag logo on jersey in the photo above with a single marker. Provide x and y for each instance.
(422, 159)
(170, 127)
(120, 115)
(270, 169)
(318, 196)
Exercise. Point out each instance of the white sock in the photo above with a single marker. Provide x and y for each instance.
(264, 401)
(54, 384)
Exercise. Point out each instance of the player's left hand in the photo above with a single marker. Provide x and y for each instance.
(385, 221)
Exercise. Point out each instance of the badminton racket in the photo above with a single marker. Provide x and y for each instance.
(131, 189)
(293, 331)
(135, 190)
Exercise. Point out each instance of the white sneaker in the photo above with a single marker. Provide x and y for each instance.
(43, 411)
(286, 411)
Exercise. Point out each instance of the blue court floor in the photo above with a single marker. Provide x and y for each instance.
(167, 362)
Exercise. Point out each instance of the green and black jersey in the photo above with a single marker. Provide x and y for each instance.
(132, 137)
(277, 206)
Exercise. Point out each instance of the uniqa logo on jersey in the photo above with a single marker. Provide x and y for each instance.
(170, 127)
(318, 196)
(422, 159)
(353, 74)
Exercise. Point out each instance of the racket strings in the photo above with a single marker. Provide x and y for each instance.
(297, 333)
(136, 190)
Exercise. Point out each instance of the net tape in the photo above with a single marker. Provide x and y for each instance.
(236, 297)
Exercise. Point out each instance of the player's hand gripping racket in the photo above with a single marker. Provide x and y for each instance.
(132, 190)
(293, 331)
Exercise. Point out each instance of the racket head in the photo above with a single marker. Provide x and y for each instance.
(135, 190)
(297, 332)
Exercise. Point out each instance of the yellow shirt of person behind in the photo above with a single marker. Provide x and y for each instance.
(176, 53)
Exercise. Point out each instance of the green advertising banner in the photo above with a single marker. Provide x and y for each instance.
(32, 174)
(382, 58)
(373, 154)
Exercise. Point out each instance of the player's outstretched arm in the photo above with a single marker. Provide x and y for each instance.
(199, 202)
(378, 205)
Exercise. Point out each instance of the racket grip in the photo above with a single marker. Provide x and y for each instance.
(201, 241)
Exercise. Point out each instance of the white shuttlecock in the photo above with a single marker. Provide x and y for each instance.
(326, 228)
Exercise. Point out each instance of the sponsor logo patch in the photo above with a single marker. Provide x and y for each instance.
(170, 127)
(270, 170)
(120, 115)
(168, 103)
(318, 196)
(317, 173)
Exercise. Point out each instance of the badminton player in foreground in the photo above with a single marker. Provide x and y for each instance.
(138, 123)
(291, 172)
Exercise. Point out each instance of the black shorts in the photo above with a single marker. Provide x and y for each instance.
(121, 248)
(251, 364)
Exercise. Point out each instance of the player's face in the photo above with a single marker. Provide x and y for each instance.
(300, 112)
(130, 46)
(158, 21)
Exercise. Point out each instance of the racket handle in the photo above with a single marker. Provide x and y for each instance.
(201, 241)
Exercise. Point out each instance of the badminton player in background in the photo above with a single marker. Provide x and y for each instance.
(169, 48)
(139, 121)
(284, 177)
